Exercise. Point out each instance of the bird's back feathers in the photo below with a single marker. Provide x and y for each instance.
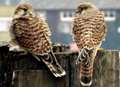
(32, 33)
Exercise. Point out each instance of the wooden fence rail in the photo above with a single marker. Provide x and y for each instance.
(22, 70)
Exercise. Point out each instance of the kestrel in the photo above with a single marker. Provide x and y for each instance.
(32, 34)
(89, 30)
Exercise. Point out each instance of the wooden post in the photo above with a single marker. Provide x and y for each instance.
(106, 70)
(23, 70)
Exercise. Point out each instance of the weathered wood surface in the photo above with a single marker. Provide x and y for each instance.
(106, 70)
(21, 70)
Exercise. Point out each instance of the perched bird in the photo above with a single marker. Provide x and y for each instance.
(89, 30)
(32, 34)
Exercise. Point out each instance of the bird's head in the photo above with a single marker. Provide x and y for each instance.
(23, 10)
(85, 6)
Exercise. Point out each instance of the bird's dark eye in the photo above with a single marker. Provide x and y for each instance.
(85, 8)
(25, 9)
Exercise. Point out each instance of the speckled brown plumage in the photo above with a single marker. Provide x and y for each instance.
(32, 33)
(89, 30)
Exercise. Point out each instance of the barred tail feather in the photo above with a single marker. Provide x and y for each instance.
(86, 66)
(54, 66)
(86, 73)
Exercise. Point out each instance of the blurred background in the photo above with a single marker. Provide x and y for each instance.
(59, 14)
